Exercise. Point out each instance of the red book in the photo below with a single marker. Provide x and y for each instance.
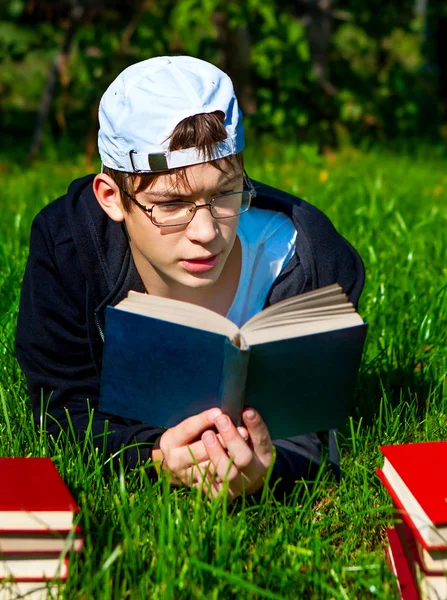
(33, 496)
(396, 555)
(415, 476)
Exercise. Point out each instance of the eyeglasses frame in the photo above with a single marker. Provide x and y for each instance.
(148, 210)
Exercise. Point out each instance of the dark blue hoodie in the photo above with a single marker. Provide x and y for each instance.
(80, 261)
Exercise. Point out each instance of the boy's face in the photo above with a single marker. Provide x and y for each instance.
(175, 259)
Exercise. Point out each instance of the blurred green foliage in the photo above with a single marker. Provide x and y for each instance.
(381, 68)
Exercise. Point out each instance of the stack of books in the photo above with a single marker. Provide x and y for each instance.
(37, 530)
(415, 476)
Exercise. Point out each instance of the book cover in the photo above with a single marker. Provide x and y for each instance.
(401, 569)
(34, 496)
(161, 372)
(415, 476)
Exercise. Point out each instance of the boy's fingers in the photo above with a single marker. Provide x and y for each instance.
(237, 447)
(245, 456)
(197, 452)
(259, 433)
(192, 454)
(185, 457)
(209, 488)
(224, 467)
(243, 433)
(191, 428)
(200, 472)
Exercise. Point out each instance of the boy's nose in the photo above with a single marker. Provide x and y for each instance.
(203, 227)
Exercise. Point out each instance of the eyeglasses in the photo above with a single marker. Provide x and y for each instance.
(182, 212)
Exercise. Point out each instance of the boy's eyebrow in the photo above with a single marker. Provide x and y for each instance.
(173, 194)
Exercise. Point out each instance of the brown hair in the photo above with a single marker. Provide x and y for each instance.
(201, 131)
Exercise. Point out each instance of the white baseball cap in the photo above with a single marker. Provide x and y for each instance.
(140, 109)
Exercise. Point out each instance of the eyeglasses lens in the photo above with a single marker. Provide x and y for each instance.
(174, 213)
(230, 205)
(181, 213)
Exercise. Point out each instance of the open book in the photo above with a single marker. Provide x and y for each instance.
(296, 362)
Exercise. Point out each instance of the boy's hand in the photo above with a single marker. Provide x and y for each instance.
(243, 465)
(181, 449)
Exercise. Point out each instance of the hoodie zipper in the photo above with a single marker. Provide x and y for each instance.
(98, 326)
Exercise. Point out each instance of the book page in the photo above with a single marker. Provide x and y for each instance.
(281, 318)
(179, 312)
(329, 296)
(300, 329)
(325, 309)
(320, 310)
(287, 322)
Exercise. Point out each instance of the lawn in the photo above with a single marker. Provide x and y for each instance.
(144, 540)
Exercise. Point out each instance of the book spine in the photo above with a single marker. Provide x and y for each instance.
(233, 380)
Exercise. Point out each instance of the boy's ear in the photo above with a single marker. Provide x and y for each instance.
(109, 197)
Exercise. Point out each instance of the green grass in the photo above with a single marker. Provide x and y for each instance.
(144, 540)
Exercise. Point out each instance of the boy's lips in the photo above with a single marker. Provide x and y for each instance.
(201, 264)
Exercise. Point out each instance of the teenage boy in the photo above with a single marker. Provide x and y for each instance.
(168, 215)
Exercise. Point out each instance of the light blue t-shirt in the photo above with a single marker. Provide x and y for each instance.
(268, 242)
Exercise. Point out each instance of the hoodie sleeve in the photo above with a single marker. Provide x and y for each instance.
(53, 349)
